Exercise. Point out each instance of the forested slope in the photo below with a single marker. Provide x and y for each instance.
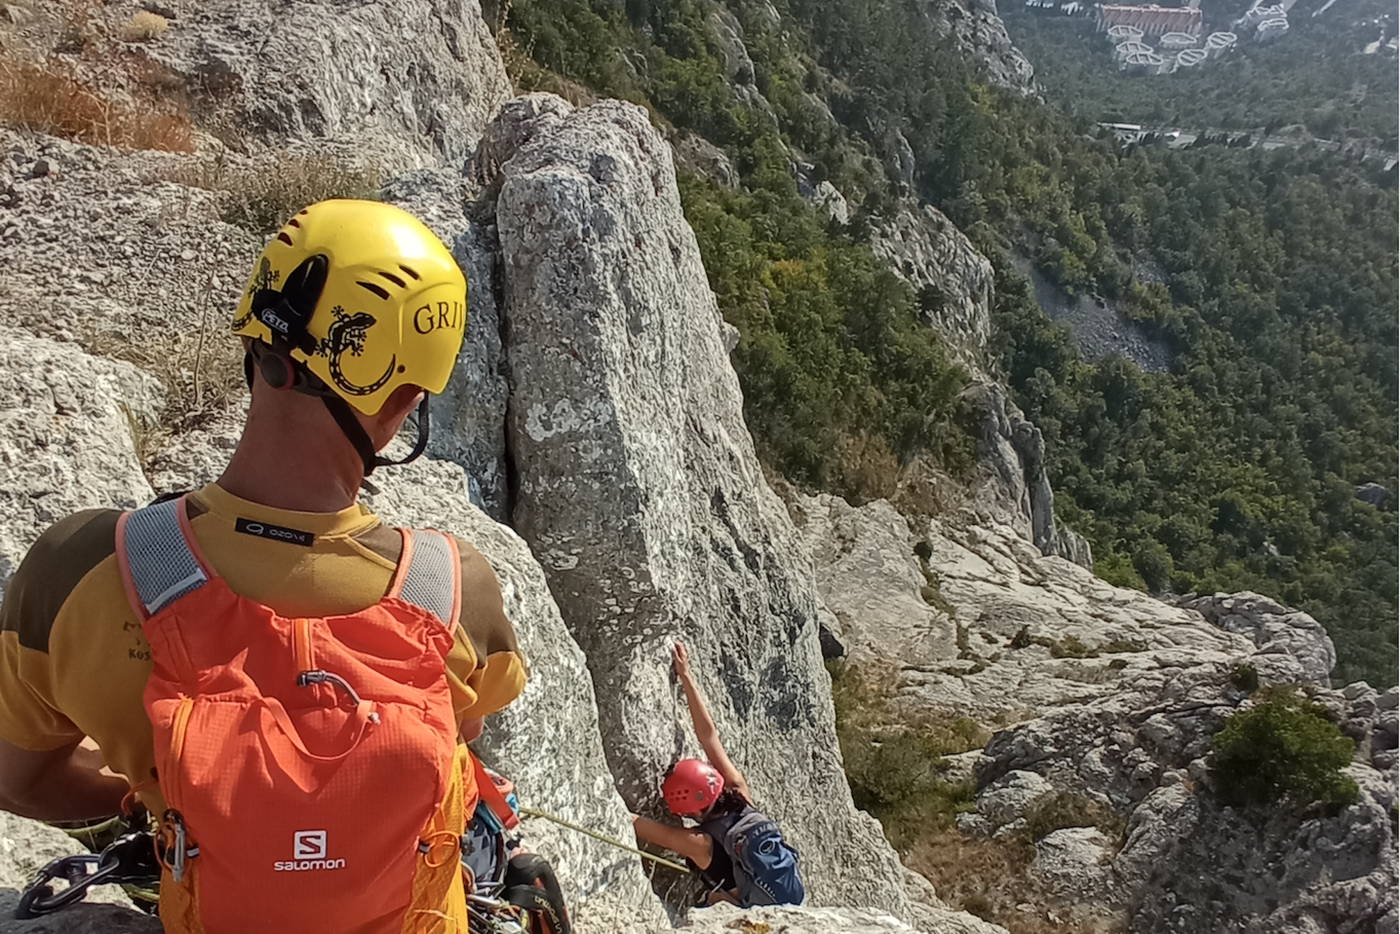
(1236, 469)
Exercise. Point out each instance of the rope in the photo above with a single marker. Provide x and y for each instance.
(533, 812)
(89, 833)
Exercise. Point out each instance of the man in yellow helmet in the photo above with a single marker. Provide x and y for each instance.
(353, 314)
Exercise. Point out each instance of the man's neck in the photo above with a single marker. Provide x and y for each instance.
(293, 456)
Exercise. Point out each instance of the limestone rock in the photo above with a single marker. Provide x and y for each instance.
(639, 491)
(925, 249)
(701, 156)
(69, 428)
(1008, 797)
(1272, 627)
(979, 31)
(109, 253)
(871, 581)
(469, 416)
(950, 626)
(1189, 863)
(724, 919)
(829, 199)
(1074, 861)
(413, 81)
(1014, 487)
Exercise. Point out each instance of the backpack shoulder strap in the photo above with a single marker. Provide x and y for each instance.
(158, 556)
(430, 575)
(491, 795)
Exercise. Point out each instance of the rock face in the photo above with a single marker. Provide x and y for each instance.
(638, 489)
(1187, 862)
(980, 32)
(955, 281)
(1273, 628)
(413, 80)
(1014, 487)
(963, 651)
(69, 424)
(1117, 697)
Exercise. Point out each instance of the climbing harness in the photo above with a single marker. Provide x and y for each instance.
(669, 864)
(130, 859)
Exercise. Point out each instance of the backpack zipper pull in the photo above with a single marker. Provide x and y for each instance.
(318, 676)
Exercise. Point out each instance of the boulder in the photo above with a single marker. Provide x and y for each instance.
(638, 490)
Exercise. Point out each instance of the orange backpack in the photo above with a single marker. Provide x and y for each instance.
(310, 768)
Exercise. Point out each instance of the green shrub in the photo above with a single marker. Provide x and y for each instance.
(1070, 647)
(896, 771)
(1282, 748)
(1246, 678)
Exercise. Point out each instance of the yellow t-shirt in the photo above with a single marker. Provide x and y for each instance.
(73, 661)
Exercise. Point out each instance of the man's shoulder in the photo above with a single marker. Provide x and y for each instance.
(65, 554)
(76, 544)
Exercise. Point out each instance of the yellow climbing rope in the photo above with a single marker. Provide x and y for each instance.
(669, 864)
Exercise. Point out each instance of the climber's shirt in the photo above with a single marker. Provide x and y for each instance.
(74, 663)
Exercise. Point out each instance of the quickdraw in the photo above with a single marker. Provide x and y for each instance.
(130, 859)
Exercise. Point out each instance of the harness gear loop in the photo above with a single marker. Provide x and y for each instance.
(436, 842)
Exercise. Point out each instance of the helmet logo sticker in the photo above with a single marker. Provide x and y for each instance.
(347, 335)
(265, 278)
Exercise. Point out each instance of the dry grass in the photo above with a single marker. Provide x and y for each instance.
(201, 372)
(144, 26)
(992, 879)
(262, 198)
(47, 98)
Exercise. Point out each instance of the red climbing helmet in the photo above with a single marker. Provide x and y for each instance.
(691, 786)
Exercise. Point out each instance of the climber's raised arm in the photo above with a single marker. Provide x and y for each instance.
(705, 730)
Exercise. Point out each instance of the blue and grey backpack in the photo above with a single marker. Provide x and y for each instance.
(765, 866)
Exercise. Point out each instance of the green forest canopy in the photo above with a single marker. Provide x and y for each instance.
(1237, 469)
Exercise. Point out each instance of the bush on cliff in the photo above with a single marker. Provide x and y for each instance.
(1282, 748)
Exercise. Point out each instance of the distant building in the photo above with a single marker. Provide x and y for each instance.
(1152, 19)
(1218, 43)
(1190, 58)
(1271, 29)
(1176, 41)
(1124, 34)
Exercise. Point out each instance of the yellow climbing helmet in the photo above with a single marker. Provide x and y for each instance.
(362, 295)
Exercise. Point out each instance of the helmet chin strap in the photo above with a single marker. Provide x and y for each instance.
(307, 383)
(355, 432)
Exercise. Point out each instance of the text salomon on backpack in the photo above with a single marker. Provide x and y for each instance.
(765, 867)
(309, 766)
